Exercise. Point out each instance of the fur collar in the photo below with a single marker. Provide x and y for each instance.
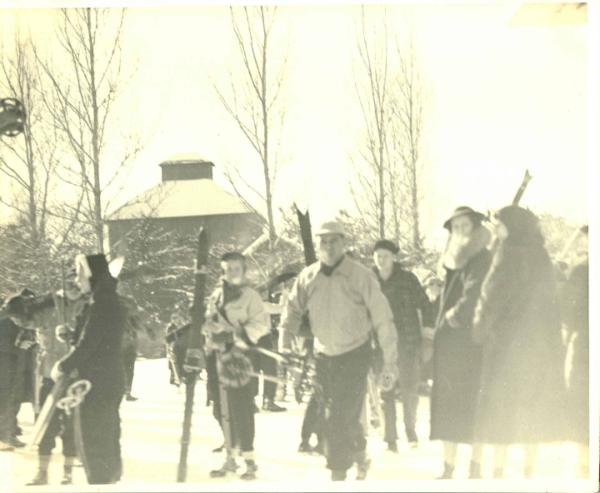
(459, 249)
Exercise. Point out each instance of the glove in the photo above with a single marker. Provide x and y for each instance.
(387, 378)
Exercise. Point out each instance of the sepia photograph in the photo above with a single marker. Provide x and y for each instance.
(299, 246)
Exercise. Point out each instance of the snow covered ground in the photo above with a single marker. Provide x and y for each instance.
(152, 431)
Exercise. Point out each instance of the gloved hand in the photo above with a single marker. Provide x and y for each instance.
(388, 377)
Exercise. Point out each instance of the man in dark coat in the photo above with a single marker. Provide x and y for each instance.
(12, 382)
(98, 357)
(456, 359)
(411, 310)
(517, 320)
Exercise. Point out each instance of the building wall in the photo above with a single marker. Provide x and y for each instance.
(240, 228)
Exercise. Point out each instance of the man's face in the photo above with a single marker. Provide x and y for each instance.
(384, 260)
(331, 248)
(234, 272)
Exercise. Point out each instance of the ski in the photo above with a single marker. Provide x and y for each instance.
(194, 358)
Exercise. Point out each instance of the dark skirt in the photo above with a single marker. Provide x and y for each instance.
(456, 373)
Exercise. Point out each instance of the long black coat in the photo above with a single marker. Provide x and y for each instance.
(518, 321)
(98, 357)
(456, 359)
(12, 377)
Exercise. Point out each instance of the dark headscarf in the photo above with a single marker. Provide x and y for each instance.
(522, 225)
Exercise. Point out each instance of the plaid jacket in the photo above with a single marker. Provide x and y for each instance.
(407, 297)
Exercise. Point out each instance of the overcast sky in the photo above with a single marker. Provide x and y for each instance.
(500, 98)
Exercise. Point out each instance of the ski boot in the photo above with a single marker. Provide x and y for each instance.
(475, 470)
(448, 471)
(230, 466)
(362, 466)
(338, 475)
(250, 472)
(67, 476)
(40, 479)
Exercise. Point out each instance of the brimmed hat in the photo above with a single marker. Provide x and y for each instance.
(464, 211)
(330, 228)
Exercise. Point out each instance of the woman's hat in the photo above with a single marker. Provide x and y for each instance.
(464, 211)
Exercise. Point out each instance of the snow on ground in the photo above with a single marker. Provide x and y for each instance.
(152, 431)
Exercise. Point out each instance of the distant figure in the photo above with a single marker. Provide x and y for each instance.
(12, 383)
(521, 398)
(412, 312)
(456, 359)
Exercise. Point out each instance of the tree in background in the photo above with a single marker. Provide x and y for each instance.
(80, 96)
(34, 243)
(387, 188)
(254, 103)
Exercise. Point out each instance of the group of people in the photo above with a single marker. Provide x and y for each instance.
(494, 337)
(86, 331)
(489, 333)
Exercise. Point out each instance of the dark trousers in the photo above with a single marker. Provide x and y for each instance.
(129, 357)
(343, 381)
(267, 365)
(60, 425)
(11, 390)
(101, 432)
(240, 405)
(408, 385)
(314, 418)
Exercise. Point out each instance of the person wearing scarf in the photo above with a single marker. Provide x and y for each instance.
(346, 309)
(235, 319)
(98, 358)
(517, 321)
(456, 359)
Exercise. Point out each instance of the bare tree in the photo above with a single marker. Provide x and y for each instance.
(254, 100)
(407, 114)
(386, 192)
(374, 100)
(80, 97)
(28, 162)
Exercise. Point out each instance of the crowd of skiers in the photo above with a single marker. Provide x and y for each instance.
(491, 332)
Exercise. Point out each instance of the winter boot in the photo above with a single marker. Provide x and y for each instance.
(230, 466)
(41, 478)
(392, 446)
(413, 440)
(474, 470)
(363, 463)
(68, 471)
(250, 472)
(338, 475)
(448, 471)
(305, 448)
(270, 406)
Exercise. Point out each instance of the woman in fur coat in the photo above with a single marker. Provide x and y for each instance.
(517, 321)
(456, 359)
